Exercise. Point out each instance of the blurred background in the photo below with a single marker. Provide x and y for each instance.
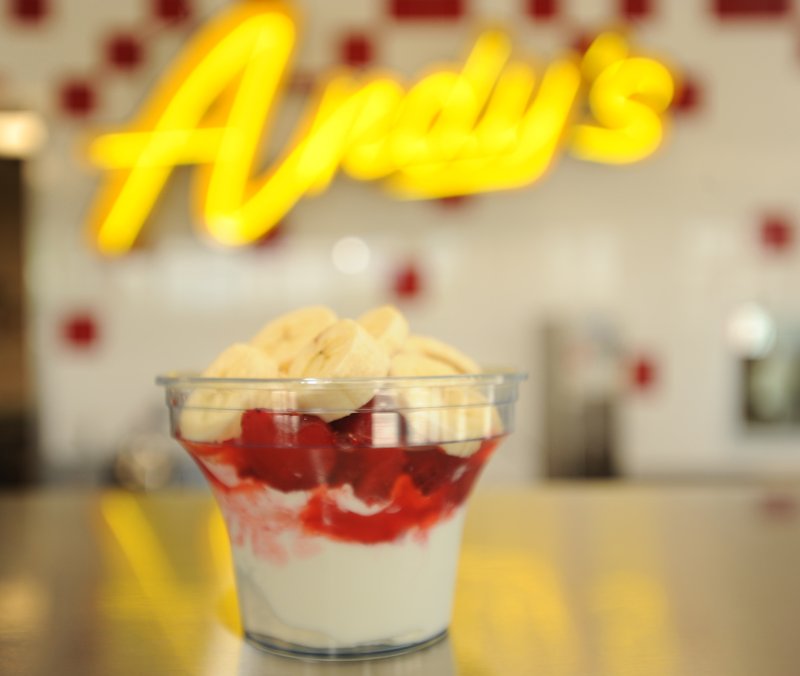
(654, 305)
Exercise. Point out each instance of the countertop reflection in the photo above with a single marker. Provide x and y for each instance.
(565, 580)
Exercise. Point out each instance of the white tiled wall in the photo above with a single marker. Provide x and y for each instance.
(666, 248)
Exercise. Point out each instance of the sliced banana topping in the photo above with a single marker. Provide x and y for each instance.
(413, 364)
(284, 337)
(343, 350)
(312, 343)
(242, 361)
(455, 416)
(436, 349)
(215, 413)
(387, 325)
(470, 419)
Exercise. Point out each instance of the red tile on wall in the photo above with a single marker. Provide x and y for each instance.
(582, 41)
(752, 8)
(688, 96)
(29, 11)
(643, 373)
(172, 11)
(542, 9)
(124, 51)
(407, 282)
(777, 234)
(77, 98)
(427, 9)
(636, 9)
(357, 50)
(80, 331)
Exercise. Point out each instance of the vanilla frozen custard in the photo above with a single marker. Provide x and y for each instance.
(341, 453)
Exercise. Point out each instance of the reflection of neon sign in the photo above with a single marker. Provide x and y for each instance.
(490, 125)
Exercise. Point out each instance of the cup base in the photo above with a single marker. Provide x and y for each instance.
(368, 652)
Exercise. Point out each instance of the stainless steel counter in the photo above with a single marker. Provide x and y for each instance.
(564, 581)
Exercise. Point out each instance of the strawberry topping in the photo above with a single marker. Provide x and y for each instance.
(410, 488)
(432, 468)
(290, 452)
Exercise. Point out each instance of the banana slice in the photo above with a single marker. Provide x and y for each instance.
(215, 414)
(457, 417)
(284, 337)
(387, 325)
(471, 419)
(413, 364)
(436, 349)
(343, 350)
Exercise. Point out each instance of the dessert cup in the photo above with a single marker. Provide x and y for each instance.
(343, 499)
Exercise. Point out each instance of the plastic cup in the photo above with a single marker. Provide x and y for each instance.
(343, 499)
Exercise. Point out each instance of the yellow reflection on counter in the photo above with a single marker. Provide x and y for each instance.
(138, 555)
(632, 626)
(153, 573)
(227, 609)
(511, 609)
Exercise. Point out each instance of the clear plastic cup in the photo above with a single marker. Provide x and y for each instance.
(343, 499)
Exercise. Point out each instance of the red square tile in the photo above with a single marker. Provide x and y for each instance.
(582, 41)
(643, 373)
(427, 9)
(80, 330)
(636, 9)
(776, 233)
(357, 50)
(124, 51)
(542, 9)
(688, 96)
(77, 98)
(407, 282)
(29, 11)
(172, 11)
(726, 9)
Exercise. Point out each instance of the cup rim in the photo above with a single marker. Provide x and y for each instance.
(496, 376)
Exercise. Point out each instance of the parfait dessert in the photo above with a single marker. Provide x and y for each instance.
(341, 453)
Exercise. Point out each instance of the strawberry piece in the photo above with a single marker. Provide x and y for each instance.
(348, 467)
(290, 452)
(258, 428)
(314, 432)
(372, 472)
(353, 430)
(370, 428)
(380, 468)
(431, 468)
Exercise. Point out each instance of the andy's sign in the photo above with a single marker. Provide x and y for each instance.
(490, 124)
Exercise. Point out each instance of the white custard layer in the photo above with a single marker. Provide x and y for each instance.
(347, 594)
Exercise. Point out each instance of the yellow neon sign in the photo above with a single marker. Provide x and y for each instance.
(492, 125)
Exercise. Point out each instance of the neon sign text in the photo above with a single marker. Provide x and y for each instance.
(494, 123)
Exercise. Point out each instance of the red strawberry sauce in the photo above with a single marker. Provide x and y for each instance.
(405, 488)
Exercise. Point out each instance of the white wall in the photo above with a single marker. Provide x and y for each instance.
(667, 248)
